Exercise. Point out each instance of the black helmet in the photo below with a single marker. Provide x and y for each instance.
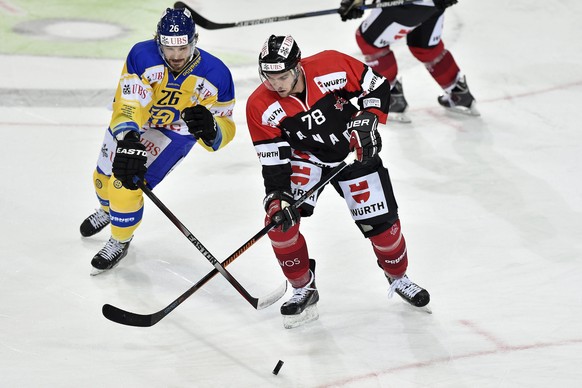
(279, 54)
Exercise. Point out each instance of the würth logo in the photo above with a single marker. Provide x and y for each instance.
(360, 191)
(301, 175)
(401, 34)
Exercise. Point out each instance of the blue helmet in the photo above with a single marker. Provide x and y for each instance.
(176, 28)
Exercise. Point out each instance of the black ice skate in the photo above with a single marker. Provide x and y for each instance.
(302, 307)
(109, 256)
(94, 223)
(460, 99)
(410, 292)
(398, 104)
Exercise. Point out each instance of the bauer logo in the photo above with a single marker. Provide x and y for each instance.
(398, 259)
(332, 81)
(122, 220)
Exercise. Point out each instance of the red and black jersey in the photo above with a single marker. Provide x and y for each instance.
(313, 127)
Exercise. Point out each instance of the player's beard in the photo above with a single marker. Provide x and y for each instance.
(177, 65)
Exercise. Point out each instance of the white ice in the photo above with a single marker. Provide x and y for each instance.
(491, 208)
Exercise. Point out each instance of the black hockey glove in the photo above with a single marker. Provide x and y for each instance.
(130, 161)
(365, 138)
(442, 4)
(278, 207)
(349, 9)
(200, 123)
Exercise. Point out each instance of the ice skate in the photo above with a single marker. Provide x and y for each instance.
(109, 256)
(460, 99)
(302, 307)
(94, 223)
(410, 292)
(398, 104)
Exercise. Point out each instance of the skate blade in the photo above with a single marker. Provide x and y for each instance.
(96, 271)
(425, 309)
(467, 111)
(399, 118)
(308, 315)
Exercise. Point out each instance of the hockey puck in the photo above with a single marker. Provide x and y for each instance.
(278, 367)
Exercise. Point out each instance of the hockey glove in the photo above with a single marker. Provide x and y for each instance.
(279, 210)
(200, 123)
(129, 161)
(442, 4)
(365, 138)
(349, 9)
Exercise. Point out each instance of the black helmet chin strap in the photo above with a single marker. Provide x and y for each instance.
(297, 71)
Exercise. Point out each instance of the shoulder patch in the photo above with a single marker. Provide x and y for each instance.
(332, 81)
(273, 115)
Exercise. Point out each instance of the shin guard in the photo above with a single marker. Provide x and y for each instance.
(125, 209)
(390, 249)
(291, 251)
(101, 184)
(439, 62)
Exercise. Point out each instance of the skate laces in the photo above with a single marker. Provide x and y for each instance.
(396, 90)
(460, 87)
(405, 286)
(99, 218)
(299, 294)
(459, 94)
(112, 249)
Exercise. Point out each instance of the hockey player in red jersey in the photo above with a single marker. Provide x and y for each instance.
(421, 23)
(303, 124)
(171, 95)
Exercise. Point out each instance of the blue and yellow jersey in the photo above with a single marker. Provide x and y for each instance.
(149, 95)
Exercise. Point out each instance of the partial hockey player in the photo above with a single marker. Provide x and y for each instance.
(302, 124)
(421, 23)
(171, 95)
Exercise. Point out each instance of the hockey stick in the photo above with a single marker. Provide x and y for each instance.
(255, 302)
(124, 317)
(208, 25)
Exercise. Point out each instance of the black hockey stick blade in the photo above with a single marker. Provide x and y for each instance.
(124, 317)
(209, 25)
(128, 318)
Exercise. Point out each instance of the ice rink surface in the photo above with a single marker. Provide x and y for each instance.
(491, 208)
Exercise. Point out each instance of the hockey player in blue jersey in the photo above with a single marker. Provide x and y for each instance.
(170, 96)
